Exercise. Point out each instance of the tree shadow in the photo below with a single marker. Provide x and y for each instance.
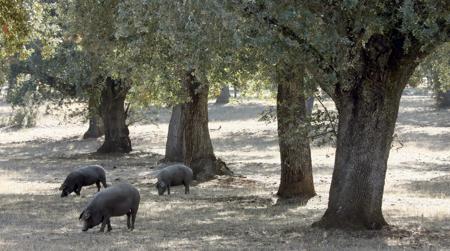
(435, 187)
(235, 112)
(217, 113)
(246, 141)
(435, 141)
(417, 111)
(424, 166)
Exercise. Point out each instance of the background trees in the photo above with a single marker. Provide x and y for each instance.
(14, 19)
(366, 53)
(173, 53)
(434, 72)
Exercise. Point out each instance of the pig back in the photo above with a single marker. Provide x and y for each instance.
(91, 174)
(176, 174)
(116, 200)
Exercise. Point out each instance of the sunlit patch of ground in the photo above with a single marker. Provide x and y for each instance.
(238, 212)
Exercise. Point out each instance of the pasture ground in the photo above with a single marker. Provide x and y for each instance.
(227, 213)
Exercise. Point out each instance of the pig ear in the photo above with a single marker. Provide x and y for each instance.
(61, 187)
(84, 215)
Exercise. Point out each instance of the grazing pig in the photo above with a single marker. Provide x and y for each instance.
(116, 200)
(83, 176)
(174, 175)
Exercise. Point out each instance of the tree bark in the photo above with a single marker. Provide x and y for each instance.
(296, 168)
(199, 154)
(309, 105)
(367, 115)
(96, 128)
(175, 137)
(443, 99)
(224, 97)
(114, 117)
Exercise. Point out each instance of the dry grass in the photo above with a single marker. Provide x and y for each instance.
(227, 213)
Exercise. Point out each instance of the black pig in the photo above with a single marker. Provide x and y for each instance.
(83, 176)
(114, 201)
(174, 175)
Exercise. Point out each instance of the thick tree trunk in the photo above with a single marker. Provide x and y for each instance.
(309, 105)
(443, 99)
(199, 154)
(224, 97)
(367, 115)
(175, 136)
(96, 128)
(296, 169)
(114, 116)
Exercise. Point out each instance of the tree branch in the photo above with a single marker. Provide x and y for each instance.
(253, 10)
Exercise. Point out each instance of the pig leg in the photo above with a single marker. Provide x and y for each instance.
(109, 225)
(133, 218)
(98, 186)
(77, 191)
(102, 228)
(168, 189)
(104, 223)
(186, 188)
(104, 183)
(129, 220)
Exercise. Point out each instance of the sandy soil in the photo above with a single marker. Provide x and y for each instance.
(227, 213)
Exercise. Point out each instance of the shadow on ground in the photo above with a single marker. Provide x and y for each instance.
(237, 212)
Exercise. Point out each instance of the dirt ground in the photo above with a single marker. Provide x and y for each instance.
(227, 213)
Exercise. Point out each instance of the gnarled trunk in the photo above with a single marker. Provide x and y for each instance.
(367, 115)
(96, 128)
(199, 154)
(114, 116)
(224, 97)
(295, 152)
(175, 137)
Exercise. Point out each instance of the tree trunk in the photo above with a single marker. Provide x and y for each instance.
(114, 116)
(443, 99)
(175, 136)
(367, 115)
(309, 105)
(235, 91)
(295, 152)
(96, 128)
(199, 154)
(224, 97)
(441, 96)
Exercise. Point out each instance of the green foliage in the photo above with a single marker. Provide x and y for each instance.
(15, 29)
(153, 43)
(434, 72)
(329, 37)
(24, 117)
(64, 74)
(55, 68)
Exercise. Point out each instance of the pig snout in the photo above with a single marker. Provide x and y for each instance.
(161, 187)
(64, 193)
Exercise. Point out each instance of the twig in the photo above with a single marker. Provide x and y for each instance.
(327, 113)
